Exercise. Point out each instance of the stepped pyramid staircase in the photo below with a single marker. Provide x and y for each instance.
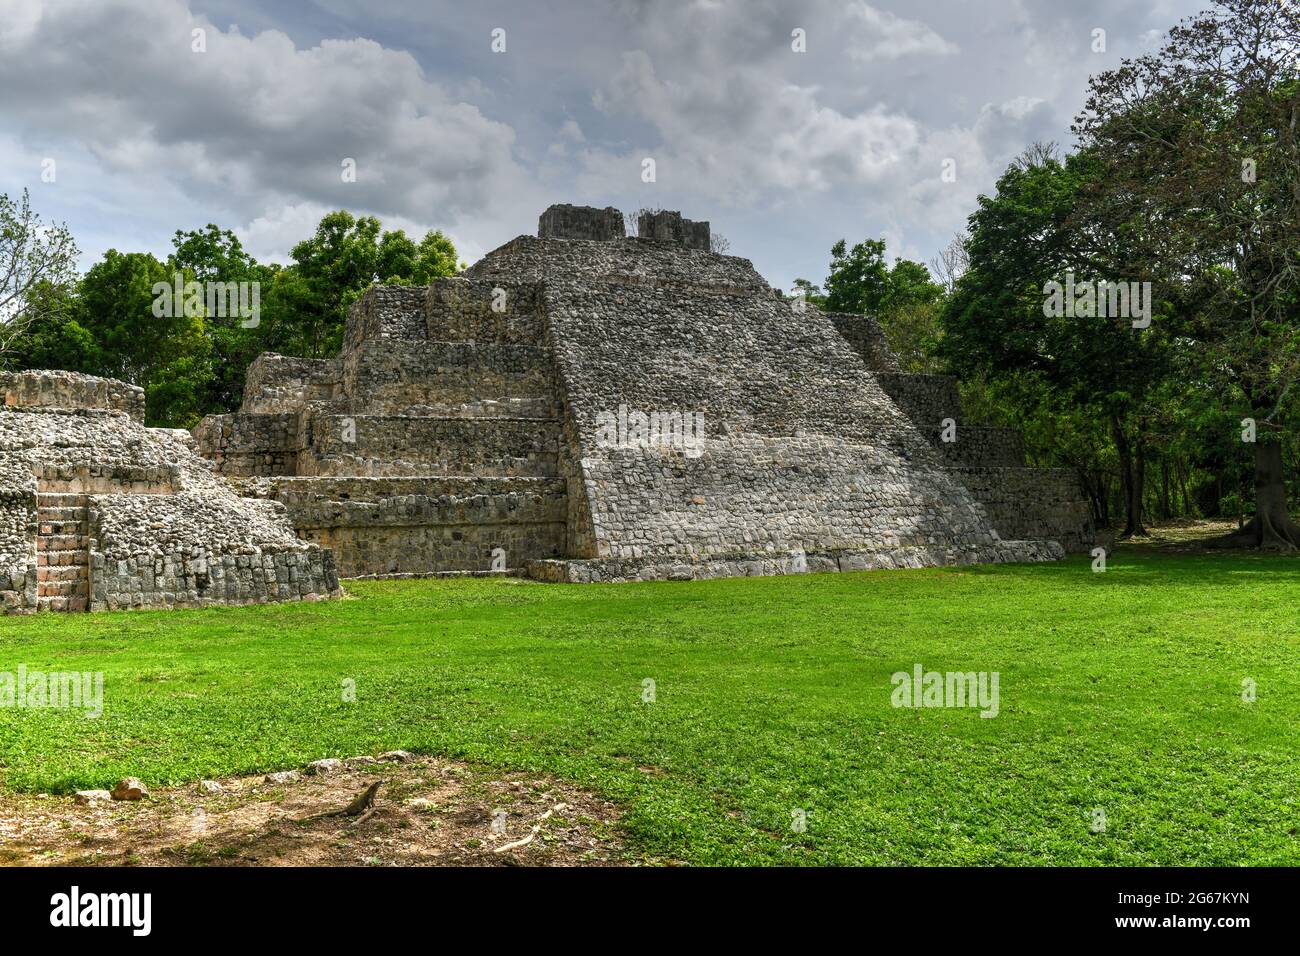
(62, 552)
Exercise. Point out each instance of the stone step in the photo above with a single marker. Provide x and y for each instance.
(67, 604)
(62, 542)
(398, 445)
(72, 527)
(67, 589)
(78, 513)
(59, 499)
(542, 406)
(62, 559)
(67, 572)
(359, 490)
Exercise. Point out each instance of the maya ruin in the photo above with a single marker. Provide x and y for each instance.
(578, 406)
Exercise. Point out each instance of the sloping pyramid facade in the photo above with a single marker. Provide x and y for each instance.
(582, 406)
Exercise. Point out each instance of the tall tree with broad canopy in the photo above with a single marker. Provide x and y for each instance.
(995, 323)
(1198, 147)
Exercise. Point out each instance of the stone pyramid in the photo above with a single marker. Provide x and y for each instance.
(584, 406)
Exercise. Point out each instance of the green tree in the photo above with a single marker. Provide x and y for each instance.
(214, 255)
(141, 339)
(344, 257)
(1198, 147)
(859, 277)
(995, 322)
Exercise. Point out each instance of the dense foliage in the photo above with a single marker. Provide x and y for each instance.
(191, 361)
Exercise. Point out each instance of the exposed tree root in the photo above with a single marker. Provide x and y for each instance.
(1264, 531)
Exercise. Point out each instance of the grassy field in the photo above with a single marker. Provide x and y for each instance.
(1120, 691)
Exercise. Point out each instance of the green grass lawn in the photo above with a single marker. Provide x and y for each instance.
(1120, 691)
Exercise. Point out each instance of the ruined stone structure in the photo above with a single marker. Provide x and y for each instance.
(584, 406)
(98, 512)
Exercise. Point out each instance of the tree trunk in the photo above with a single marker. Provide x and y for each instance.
(1132, 468)
(1166, 509)
(1272, 528)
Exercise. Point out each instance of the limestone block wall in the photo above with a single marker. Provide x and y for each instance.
(251, 443)
(408, 445)
(1022, 503)
(974, 446)
(53, 388)
(868, 339)
(669, 226)
(563, 221)
(926, 399)
(280, 383)
(1033, 503)
(18, 527)
(398, 526)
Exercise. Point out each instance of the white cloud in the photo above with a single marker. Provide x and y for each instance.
(254, 122)
(880, 35)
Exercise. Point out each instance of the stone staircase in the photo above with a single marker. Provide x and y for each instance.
(62, 552)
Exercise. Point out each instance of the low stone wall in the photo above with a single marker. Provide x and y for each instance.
(198, 578)
(405, 526)
(617, 571)
(52, 388)
(1033, 503)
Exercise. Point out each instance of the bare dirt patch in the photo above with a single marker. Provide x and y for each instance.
(427, 812)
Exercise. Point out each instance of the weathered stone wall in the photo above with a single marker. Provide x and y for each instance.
(868, 339)
(18, 527)
(53, 388)
(978, 447)
(563, 221)
(280, 383)
(926, 399)
(669, 226)
(1033, 503)
(1021, 503)
(251, 444)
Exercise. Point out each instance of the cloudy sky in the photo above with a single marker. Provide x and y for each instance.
(784, 152)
